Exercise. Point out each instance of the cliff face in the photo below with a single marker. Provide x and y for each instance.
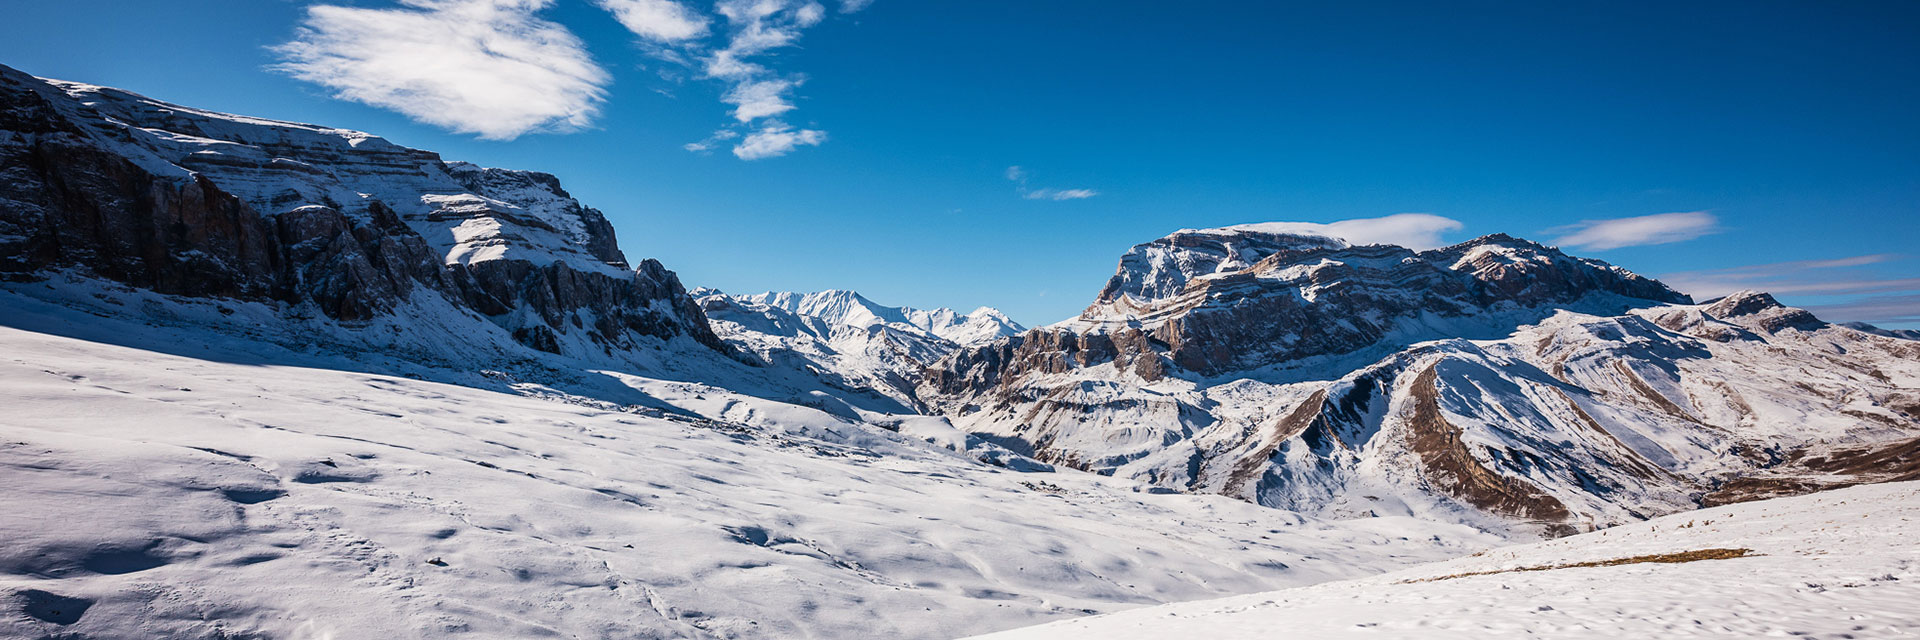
(188, 202)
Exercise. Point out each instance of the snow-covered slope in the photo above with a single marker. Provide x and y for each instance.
(222, 489)
(853, 342)
(1841, 564)
(1493, 381)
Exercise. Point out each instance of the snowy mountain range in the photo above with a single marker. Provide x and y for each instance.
(849, 339)
(301, 381)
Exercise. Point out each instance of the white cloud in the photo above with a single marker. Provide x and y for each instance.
(1017, 174)
(493, 68)
(755, 99)
(487, 67)
(658, 20)
(775, 140)
(1060, 194)
(1662, 228)
(1417, 231)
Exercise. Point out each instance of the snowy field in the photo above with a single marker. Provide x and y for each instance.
(150, 494)
(1841, 564)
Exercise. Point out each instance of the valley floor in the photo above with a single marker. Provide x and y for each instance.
(1840, 564)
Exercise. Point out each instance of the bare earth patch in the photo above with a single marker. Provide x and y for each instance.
(1666, 558)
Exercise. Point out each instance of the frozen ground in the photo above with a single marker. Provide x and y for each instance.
(151, 494)
(1840, 564)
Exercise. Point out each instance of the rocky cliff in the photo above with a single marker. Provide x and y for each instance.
(326, 221)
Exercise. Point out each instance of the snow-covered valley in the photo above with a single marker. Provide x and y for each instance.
(240, 495)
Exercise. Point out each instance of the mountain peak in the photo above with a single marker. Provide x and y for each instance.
(1161, 268)
(1744, 302)
(1758, 309)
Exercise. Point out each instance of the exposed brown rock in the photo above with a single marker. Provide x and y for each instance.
(1454, 471)
(1249, 468)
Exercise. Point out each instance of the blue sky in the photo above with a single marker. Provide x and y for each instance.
(872, 145)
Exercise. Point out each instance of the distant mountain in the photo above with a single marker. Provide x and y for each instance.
(843, 336)
(1903, 334)
(1497, 378)
(847, 308)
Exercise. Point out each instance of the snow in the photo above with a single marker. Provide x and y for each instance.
(164, 480)
(1840, 564)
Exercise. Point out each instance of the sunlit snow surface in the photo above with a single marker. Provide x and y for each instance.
(182, 495)
(1841, 564)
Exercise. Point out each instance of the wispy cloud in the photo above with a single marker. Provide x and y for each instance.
(1019, 176)
(1661, 228)
(1803, 277)
(761, 95)
(1894, 312)
(486, 67)
(1417, 231)
(658, 20)
(1060, 194)
(776, 140)
(717, 139)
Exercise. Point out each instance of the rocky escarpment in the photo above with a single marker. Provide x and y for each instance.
(350, 226)
(1497, 378)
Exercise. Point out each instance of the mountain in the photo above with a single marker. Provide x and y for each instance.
(1497, 381)
(1833, 565)
(326, 222)
(854, 342)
